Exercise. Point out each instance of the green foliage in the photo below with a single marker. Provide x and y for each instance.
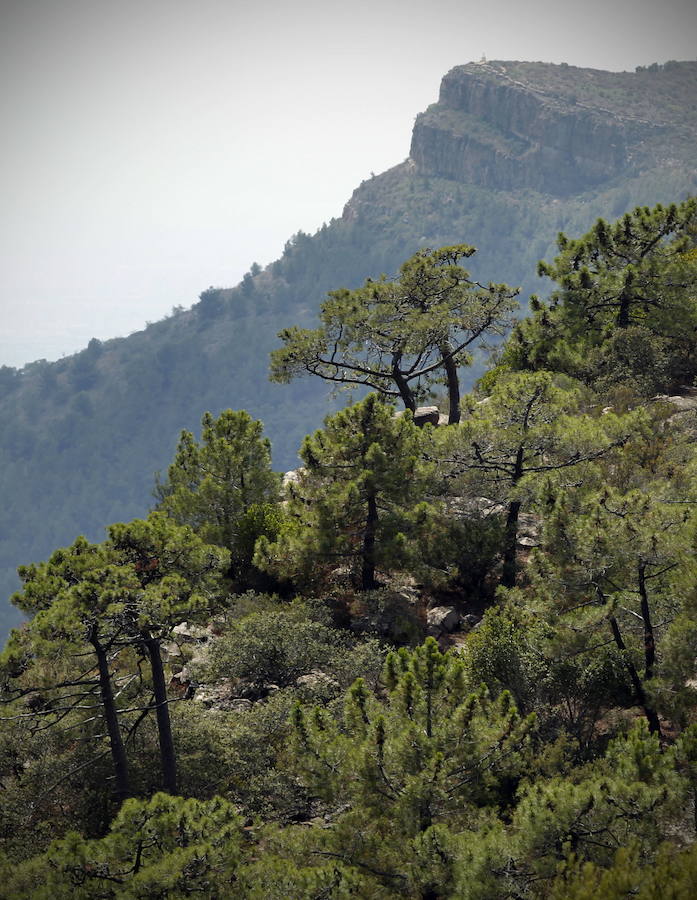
(277, 648)
(607, 808)
(178, 573)
(91, 603)
(223, 487)
(625, 307)
(165, 847)
(398, 337)
(355, 502)
(532, 426)
(425, 751)
(414, 763)
(562, 674)
(671, 874)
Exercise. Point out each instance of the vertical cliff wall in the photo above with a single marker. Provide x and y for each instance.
(503, 126)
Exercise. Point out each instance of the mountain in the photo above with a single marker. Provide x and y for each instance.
(510, 154)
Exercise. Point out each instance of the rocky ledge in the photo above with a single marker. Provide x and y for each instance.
(559, 130)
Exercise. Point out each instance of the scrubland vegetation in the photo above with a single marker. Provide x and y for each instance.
(433, 661)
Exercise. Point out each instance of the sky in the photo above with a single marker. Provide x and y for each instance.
(154, 148)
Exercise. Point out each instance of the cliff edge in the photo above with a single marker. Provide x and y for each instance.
(559, 130)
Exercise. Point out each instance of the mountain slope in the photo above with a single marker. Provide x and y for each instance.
(511, 154)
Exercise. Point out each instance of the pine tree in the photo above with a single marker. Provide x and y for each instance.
(354, 501)
(223, 486)
(400, 336)
(611, 559)
(413, 763)
(164, 847)
(530, 426)
(127, 592)
(625, 307)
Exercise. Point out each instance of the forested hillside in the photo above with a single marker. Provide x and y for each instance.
(503, 161)
(447, 660)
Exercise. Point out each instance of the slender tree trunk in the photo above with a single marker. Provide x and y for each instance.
(649, 640)
(118, 752)
(429, 702)
(510, 538)
(640, 693)
(453, 382)
(510, 546)
(368, 549)
(164, 726)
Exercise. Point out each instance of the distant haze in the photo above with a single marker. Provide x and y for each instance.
(152, 148)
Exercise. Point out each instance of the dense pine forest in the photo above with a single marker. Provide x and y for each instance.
(509, 155)
(452, 654)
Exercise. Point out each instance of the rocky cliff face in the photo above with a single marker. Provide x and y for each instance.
(495, 128)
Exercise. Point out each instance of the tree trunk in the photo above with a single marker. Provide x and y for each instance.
(368, 549)
(118, 752)
(405, 391)
(649, 640)
(642, 699)
(453, 382)
(622, 320)
(510, 545)
(510, 538)
(164, 726)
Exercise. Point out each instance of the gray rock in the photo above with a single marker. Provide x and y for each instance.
(442, 618)
(216, 695)
(315, 679)
(291, 477)
(408, 595)
(239, 705)
(686, 401)
(171, 649)
(425, 415)
(195, 632)
(528, 530)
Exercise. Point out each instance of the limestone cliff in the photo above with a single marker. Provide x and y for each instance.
(559, 130)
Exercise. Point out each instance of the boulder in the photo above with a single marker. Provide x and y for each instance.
(442, 619)
(291, 477)
(182, 684)
(426, 415)
(528, 530)
(171, 649)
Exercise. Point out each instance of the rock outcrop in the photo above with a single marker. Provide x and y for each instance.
(557, 130)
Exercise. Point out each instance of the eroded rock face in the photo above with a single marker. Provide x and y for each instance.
(491, 129)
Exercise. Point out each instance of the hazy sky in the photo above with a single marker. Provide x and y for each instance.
(152, 148)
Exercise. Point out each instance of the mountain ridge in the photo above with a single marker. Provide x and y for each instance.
(494, 129)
